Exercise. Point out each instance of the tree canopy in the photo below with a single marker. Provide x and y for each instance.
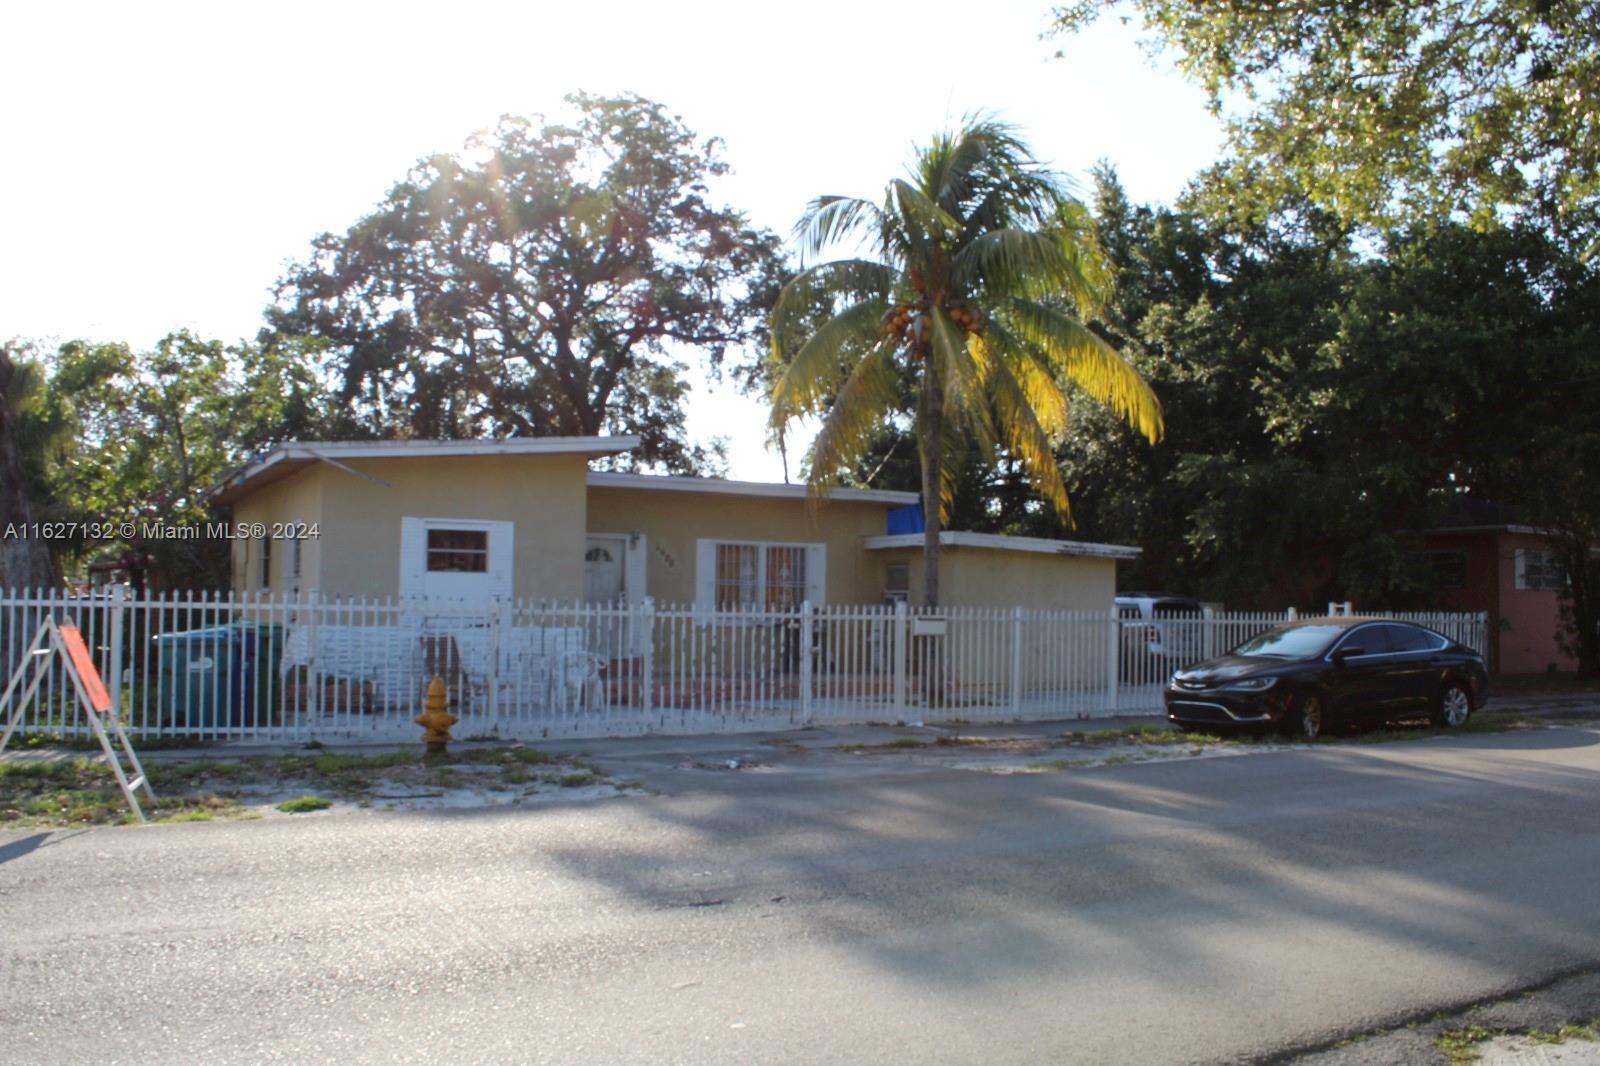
(1394, 111)
(149, 433)
(541, 282)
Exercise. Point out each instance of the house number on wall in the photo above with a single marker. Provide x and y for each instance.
(666, 556)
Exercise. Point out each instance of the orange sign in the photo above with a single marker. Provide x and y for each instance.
(83, 666)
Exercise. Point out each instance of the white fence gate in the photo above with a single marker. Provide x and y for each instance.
(261, 668)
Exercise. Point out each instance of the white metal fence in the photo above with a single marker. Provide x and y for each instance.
(248, 667)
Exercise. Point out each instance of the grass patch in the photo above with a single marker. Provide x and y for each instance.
(897, 744)
(1461, 1045)
(305, 804)
(82, 791)
(1464, 1044)
(1056, 765)
(1140, 734)
(73, 792)
(1481, 722)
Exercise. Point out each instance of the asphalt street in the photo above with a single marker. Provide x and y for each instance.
(825, 910)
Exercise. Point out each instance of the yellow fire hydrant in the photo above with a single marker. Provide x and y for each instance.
(435, 720)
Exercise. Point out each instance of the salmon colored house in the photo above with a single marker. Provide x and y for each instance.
(1507, 571)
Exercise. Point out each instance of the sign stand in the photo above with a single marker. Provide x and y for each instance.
(64, 639)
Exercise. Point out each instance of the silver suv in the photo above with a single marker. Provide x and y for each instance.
(1160, 632)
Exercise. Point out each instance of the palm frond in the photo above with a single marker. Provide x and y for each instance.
(816, 291)
(1039, 386)
(825, 358)
(1017, 262)
(867, 396)
(1028, 441)
(963, 372)
(828, 220)
(920, 215)
(1072, 350)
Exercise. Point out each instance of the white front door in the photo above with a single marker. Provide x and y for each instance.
(604, 571)
(458, 559)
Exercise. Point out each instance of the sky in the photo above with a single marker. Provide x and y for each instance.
(163, 162)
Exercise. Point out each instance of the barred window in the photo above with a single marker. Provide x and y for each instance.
(1539, 570)
(757, 575)
(1448, 569)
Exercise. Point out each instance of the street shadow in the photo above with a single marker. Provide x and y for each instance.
(1139, 863)
(27, 845)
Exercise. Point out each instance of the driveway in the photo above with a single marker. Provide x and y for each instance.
(822, 910)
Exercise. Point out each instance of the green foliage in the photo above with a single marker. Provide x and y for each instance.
(539, 283)
(305, 804)
(969, 301)
(1398, 111)
(155, 430)
(1324, 405)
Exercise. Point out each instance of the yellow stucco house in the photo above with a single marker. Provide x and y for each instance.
(529, 520)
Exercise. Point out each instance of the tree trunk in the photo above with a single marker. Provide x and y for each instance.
(1580, 600)
(24, 560)
(932, 460)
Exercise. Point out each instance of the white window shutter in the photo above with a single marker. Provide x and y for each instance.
(635, 568)
(705, 578)
(502, 559)
(816, 573)
(1520, 566)
(413, 557)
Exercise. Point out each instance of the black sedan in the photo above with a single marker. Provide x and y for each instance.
(1304, 677)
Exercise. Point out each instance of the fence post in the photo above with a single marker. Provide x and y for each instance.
(1208, 632)
(313, 673)
(494, 663)
(899, 664)
(1016, 661)
(807, 646)
(1290, 615)
(645, 621)
(115, 668)
(1113, 648)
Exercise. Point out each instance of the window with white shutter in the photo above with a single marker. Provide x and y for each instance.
(758, 575)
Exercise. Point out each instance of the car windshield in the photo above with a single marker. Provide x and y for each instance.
(1291, 642)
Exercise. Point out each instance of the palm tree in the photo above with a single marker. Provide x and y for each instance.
(977, 272)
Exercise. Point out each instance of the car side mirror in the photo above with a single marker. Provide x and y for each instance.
(1346, 652)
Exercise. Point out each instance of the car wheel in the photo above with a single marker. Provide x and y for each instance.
(1453, 706)
(1304, 720)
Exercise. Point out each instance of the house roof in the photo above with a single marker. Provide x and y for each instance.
(999, 542)
(1468, 514)
(601, 479)
(293, 456)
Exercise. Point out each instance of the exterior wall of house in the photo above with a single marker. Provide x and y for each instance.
(989, 577)
(673, 522)
(298, 498)
(1523, 623)
(979, 577)
(1529, 618)
(358, 553)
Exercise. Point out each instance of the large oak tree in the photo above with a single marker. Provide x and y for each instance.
(544, 281)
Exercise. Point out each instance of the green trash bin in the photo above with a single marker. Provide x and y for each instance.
(220, 678)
